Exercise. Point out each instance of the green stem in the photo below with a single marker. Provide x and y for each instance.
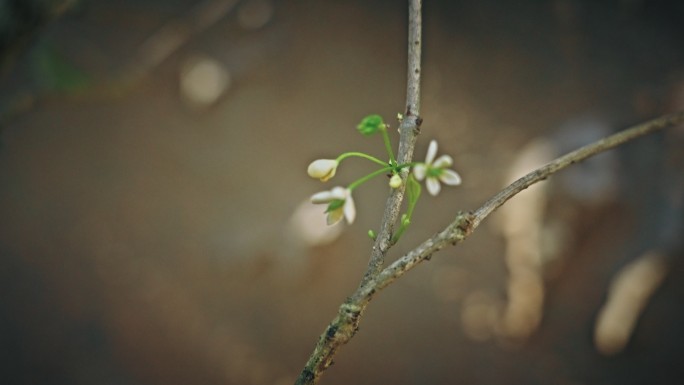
(368, 177)
(413, 191)
(388, 145)
(404, 165)
(360, 155)
(400, 231)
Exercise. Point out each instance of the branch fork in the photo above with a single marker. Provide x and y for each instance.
(346, 323)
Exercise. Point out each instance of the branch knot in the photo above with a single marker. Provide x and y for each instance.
(462, 226)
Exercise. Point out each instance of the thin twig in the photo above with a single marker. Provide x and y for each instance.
(171, 36)
(409, 129)
(574, 157)
(345, 324)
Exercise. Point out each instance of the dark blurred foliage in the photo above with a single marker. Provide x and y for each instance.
(21, 21)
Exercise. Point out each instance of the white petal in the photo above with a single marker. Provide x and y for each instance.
(328, 196)
(339, 192)
(419, 171)
(433, 186)
(443, 161)
(450, 177)
(349, 209)
(432, 152)
(322, 197)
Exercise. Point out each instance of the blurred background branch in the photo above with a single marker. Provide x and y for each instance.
(23, 20)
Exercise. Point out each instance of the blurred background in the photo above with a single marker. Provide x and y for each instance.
(153, 218)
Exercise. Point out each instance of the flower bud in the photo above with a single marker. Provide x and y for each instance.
(322, 169)
(395, 181)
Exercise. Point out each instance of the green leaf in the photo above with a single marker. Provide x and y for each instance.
(371, 124)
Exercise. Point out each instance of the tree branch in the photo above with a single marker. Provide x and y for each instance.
(345, 324)
(573, 157)
(409, 129)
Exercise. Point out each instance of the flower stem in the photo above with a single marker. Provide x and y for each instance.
(413, 191)
(388, 145)
(360, 155)
(404, 165)
(368, 177)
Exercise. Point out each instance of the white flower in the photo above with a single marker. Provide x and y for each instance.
(340, 204)
(436, 170)
(322, 169)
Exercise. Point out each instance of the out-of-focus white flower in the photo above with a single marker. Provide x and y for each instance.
(322, 169)
(340, 204)
(435, 171)
(307, 228)
(203, 80)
